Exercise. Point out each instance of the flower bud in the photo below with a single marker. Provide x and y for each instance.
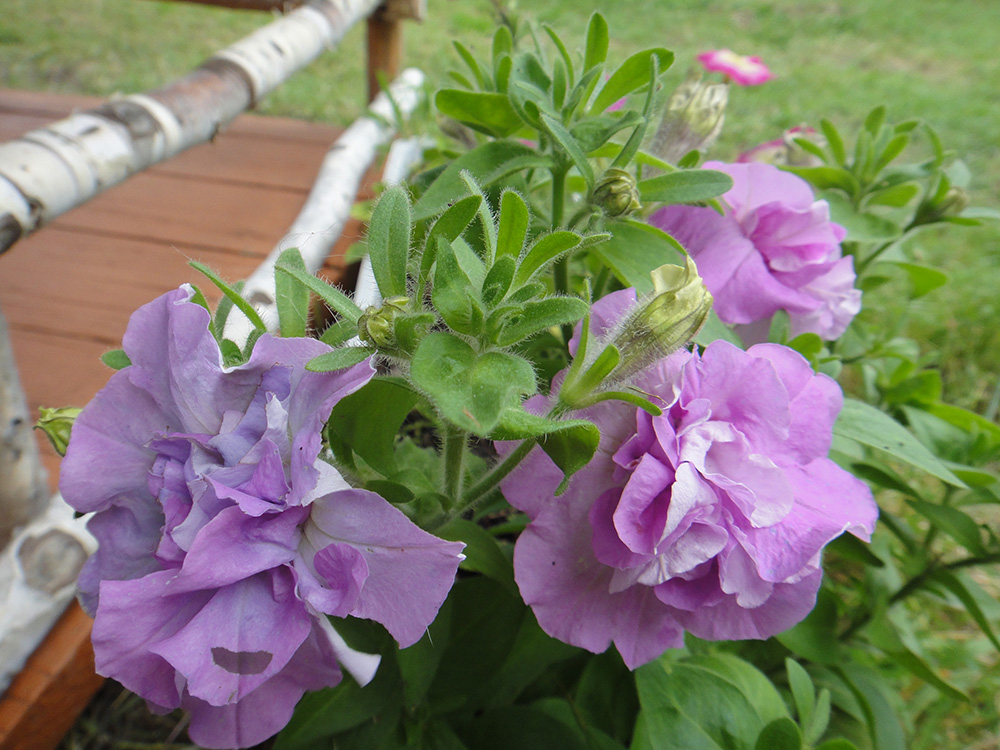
(952, 203)
(57, 424)
(376, 326)
(616, 193)
(693, 118)
(666, 321)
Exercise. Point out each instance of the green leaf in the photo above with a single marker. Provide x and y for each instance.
(470, 390)
(482, 552)
(838, 743)
(291, 298)
(498, 280)
(964, 589)
(488, 112)
(955, 523)
(705, 702)
(452, 293)
(923, 279)
(339, 359)
(860, 226)
(875, 120)
(631, 74)
(635, 249)
(487, 164)
(335, 298)
(449, 226)
(570, 443)
(513, 227)
(815, 638)
(606, 696)
(231, 294)
(368, 420)
(824, 178)
(834, 141)
(389, 241)
(470, 61)
(544, 250)
(116, 359)
(896, 196)
(894, 148)
(597, 42)
(872, 427)
(594, 132)
(685, 186)
(563, 53)
(780, 734)
(631, 147)
(803, 691)
(536, 316)
(569, 144)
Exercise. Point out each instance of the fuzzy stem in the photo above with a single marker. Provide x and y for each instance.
(455, 441)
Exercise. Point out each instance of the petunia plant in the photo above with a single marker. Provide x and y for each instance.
(583, 475)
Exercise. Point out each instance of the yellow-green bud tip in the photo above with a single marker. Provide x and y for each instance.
(57, 424)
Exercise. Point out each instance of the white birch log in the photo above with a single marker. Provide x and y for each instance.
(326, 210)
(50, 170)
(23, 485)
(38, 571)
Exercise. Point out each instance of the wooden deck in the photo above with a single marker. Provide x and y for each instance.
(67, 292)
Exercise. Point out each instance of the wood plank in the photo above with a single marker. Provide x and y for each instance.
(58, 680)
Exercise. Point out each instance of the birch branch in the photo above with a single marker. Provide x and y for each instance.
(326, 210)
(23, 486)
(48, 171)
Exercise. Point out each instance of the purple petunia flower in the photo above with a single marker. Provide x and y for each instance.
(743, 70)
(223, 541)
(775, 248)
(710, 518)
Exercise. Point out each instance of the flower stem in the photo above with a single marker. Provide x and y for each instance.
(483, 487)
(455, 441)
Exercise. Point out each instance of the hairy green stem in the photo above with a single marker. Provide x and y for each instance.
(455, 442)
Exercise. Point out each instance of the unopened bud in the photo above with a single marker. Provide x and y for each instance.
(669, 319)
(57, 424)
(693, 118)
(376, 326)
(616, 193)
(952, 203)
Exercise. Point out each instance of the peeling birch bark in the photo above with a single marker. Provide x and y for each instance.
(326, 210)
(38, 571)
(48, 171)
(23, 485)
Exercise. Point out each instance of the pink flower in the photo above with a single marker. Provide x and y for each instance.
(775, 248)
(225, 541)
(710, 518)
(743, 70)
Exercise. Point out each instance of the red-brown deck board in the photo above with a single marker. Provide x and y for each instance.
(67, 292)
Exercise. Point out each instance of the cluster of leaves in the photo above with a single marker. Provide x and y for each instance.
(484, 264)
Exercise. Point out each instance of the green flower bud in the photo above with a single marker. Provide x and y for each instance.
(693, 118)
(616, 193)
(57, 424)
(666, 321)
(952, 203)
(376, 326)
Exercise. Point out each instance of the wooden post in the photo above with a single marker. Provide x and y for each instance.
(385, 39)
(23, 487)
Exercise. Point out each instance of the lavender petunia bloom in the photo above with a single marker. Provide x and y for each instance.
(775, 248)
(710, 518)
(223, 540)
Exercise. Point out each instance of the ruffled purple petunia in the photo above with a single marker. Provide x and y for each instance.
(775, 248)
(710, 518)
(224, 542)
